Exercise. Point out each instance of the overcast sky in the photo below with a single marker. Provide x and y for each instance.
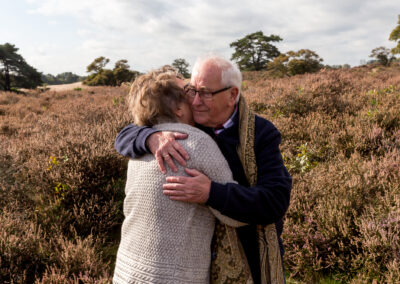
(58, 36)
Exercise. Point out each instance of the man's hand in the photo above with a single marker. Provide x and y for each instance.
(164, 147)
(194, 189)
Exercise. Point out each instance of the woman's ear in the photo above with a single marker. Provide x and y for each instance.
(178, 112)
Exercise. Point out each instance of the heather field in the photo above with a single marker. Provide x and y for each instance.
(61, 181)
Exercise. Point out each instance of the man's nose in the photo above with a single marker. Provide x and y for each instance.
(197, 100)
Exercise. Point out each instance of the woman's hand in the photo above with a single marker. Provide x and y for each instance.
(164, 147)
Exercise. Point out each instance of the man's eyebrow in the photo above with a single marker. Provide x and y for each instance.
(203, 88)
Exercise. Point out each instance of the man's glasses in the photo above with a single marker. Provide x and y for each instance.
(191, 92)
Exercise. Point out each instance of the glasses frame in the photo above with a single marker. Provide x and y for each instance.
(203, 93)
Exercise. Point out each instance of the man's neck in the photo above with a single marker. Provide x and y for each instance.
(228, 123)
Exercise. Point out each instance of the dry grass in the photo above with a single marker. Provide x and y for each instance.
(61, 181)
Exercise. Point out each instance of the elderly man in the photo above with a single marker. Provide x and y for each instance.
(251, 146)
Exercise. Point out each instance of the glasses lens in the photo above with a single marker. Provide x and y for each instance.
(191, 92)
(206, 95)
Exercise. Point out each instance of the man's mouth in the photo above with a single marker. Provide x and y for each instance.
(199, 110)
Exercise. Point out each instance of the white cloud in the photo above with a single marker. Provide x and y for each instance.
(152, 33)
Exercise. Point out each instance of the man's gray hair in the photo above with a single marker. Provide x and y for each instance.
(230, 73)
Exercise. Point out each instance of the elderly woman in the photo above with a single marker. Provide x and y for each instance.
(165, 241)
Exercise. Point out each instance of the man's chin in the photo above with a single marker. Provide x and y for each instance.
(200, 118)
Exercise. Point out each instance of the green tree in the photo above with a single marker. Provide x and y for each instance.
(122, 64)
(107, 77)
(395, 36)
(99, 76)
(254, 51)
(97, 65)
(295, 62)
(277, 67)
(182, 66)
(303, 61)
(14, 71)
(103, 78)
(122, 73)
(62, 78)
(383, 55)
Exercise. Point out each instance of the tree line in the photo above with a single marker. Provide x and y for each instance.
(15, 71)
(62, 78)
(254, 52)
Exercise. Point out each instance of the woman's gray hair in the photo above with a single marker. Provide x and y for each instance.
(230, 73)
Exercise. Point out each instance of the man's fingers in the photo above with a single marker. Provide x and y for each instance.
(174, 154)
(182, 152)
(160, 162)
(173, 192)
(174, 186)
(179, 135)
(166, 149)
(176, 179)
(180, 198)
(170, 162)
(192, 172)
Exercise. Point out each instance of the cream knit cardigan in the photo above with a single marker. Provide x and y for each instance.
(166, 241)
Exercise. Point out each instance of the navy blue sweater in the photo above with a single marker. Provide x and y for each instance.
(265, 203)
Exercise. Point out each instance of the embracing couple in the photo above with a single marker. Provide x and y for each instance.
(209, 208)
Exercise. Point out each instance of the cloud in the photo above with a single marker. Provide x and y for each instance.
(152, 33)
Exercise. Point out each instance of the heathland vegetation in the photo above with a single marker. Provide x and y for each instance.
(62, 182)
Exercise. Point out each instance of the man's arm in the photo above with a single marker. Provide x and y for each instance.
(131, 141)
(265, 203)
(268, 201)
(134, 141)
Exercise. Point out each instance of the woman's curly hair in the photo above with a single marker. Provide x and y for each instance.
(154, 97)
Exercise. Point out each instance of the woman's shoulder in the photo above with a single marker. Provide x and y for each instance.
(183, 128)
(197, 139)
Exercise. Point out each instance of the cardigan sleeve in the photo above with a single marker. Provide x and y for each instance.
(210, 161)
(131, 140)
(268, 200)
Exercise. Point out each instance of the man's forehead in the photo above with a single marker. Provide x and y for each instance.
(206, 78)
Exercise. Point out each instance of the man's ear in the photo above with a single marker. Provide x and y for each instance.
(234, 93)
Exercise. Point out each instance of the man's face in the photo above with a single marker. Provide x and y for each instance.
(219, 108)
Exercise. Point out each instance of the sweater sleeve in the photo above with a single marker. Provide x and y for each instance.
(268, 201)
(131, 141)
(211, 162)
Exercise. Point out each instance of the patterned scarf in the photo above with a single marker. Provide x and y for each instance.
(230, 264)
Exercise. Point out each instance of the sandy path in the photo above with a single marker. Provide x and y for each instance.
(65, 87)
